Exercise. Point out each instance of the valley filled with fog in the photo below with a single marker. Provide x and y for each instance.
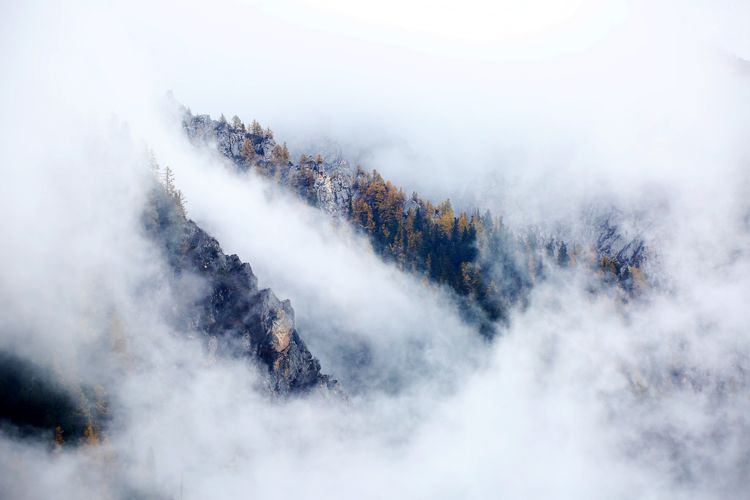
(560, 312)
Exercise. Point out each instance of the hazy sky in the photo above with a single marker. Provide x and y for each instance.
(420, 90)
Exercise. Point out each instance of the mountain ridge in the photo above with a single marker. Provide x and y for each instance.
(236, 317)
(489, 268)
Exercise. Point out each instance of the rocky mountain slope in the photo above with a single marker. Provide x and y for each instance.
(231, 315)
(489, 267)
(326, 184)
(235, 317)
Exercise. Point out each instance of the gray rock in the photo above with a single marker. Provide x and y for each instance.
(237, 318)
(331, 189)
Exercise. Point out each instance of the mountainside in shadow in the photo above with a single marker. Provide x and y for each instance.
(36, 403)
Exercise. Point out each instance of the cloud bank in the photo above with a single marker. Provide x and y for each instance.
(572, 105)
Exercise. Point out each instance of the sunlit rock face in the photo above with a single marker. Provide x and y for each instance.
(281, 326)
(236, 317)
(332, 188)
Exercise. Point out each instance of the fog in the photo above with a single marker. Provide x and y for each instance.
(548, 114)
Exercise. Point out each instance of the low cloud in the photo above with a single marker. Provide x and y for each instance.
(583, 396)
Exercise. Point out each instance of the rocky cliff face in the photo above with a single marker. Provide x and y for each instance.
(332, 186)
(234, 316)
(237, 318)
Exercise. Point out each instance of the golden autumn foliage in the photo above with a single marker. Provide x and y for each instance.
(414, 234)
(90, 435)
(237, 123)
(362, 214)
(280, 153)
(59, 439)
(445, 217)
(248, 150)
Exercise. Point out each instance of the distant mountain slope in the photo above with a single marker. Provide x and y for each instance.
(488, 267)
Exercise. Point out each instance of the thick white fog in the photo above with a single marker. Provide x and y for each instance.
(544, 113)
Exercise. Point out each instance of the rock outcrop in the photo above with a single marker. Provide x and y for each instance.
(326, 183)
(236, 318)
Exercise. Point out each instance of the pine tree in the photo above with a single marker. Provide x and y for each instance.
(562, 255)
(445, 220)
(59, 439)
(248, 150)
(285, 152)
(92, 438)
(152, 163)
(173, 192)
(237, 123)
(362, 215)
(280, 153)
(180, 202)
(168, 180)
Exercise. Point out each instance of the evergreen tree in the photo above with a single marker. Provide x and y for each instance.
(237, 123)
(562, 255)
(248, 150)
(168, 180)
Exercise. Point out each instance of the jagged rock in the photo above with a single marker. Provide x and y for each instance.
(229, 141)
(333, 187)
(201, 128)
(410, 204)
(330, 188)
(236, 317)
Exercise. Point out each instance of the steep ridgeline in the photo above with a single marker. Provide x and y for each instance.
(488, 267)
(236, 318)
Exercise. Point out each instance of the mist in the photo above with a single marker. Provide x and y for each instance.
(549, 114)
